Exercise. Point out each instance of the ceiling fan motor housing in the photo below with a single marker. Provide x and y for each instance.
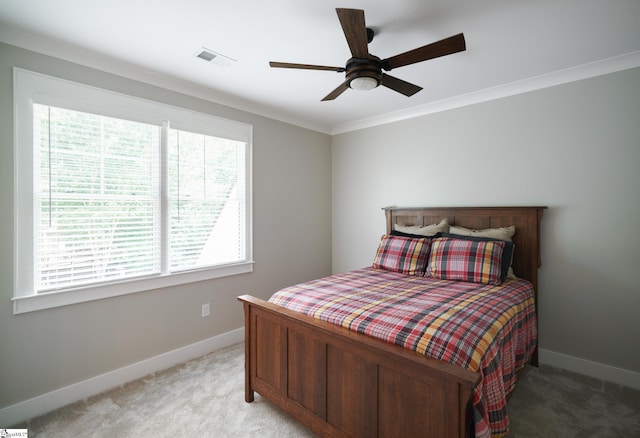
(364, 68)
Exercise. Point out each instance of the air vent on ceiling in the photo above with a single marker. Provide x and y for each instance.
(214, 57)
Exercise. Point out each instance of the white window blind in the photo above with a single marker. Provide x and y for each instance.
(206, 198)
(116, 194)
(97, 199)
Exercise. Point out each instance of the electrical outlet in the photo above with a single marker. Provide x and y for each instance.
(206, 310)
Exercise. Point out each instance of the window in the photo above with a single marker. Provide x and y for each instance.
(116, 194)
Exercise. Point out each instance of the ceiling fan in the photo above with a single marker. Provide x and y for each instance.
(364, 71)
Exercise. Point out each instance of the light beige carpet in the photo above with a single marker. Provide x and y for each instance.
(198, 399)
(205, 398)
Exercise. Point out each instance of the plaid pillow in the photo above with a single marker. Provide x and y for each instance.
(402, 254)
(466, 260)
(507, 252)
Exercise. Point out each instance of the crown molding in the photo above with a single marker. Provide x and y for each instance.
(584, 71)
(108, 64)
(99, 61)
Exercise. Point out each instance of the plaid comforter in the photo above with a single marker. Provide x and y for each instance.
(485, 328)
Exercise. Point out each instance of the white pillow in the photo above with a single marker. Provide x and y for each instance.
(505, 233)
(427, 230)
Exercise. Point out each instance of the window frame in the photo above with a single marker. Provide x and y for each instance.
(30, 87)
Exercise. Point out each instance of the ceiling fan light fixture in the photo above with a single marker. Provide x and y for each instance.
(363, 83)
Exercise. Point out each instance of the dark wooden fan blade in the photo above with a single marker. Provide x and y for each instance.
(355, 31)
(443, 47)
(305, 66)
(404, 87)
(337, 92)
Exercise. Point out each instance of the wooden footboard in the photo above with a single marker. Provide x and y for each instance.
(342, 383)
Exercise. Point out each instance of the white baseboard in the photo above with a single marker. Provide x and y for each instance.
(589, 368)
(42, 404)
(58, 398)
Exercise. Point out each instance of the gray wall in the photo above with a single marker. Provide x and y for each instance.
(50, 349)
(574, 148)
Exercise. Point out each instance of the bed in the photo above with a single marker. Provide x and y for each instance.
(339, 381)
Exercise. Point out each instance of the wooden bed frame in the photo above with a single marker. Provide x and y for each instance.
(341, 383)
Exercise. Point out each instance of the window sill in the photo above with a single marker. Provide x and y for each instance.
(50, 300)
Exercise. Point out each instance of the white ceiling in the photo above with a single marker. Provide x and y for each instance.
(510, 43)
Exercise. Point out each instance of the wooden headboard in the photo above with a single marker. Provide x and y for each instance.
(526, 258)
